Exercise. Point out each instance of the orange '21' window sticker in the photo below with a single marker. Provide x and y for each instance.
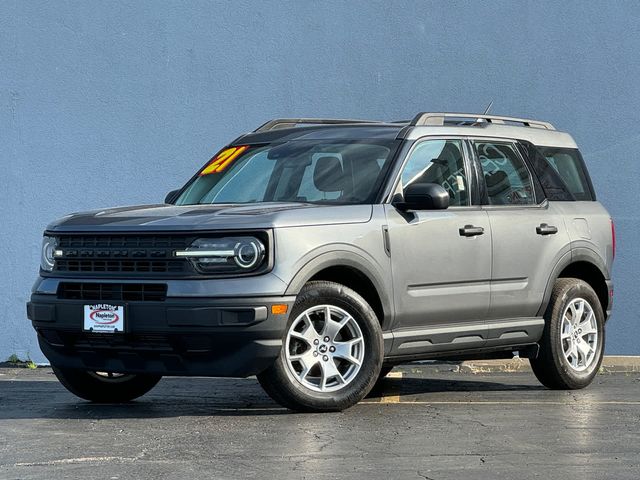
(223, 160)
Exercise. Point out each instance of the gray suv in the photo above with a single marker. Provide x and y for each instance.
(319, 253)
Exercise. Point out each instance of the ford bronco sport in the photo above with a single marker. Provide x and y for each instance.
(318, 253)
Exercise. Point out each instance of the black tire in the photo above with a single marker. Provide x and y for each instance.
(551, 367)
(102, 388)
(283, 387)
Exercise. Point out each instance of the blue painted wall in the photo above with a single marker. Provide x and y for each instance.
(107, 103)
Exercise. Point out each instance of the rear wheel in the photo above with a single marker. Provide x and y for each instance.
(332, 351)
(572, 344)
(105, 387)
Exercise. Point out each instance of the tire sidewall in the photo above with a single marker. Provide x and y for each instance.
(579, 289)
(89, 386)
(348, 300)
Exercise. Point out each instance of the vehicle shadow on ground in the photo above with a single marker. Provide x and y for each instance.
(422, 386)
(173, 397)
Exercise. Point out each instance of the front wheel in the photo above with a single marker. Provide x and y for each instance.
(332, 351)
(572, 344)
(104, 387)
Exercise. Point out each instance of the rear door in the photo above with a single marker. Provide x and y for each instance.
(528, 232)
(441, 259)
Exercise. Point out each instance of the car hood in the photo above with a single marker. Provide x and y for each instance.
(210, 217)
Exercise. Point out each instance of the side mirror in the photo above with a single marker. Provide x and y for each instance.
(424, 196)
(171, 196)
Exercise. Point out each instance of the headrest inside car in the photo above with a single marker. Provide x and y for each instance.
(328, 175)
(497, 182)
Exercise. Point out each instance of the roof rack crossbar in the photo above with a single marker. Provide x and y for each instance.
(277, 123)
(430, 118)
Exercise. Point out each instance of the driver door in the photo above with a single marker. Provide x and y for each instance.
(441, 259)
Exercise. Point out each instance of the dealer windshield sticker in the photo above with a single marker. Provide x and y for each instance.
(104, 318)
(223, 160)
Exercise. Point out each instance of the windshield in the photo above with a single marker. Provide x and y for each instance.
(349, 172)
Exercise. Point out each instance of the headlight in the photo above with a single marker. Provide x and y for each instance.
(225, 255)
(47, 259)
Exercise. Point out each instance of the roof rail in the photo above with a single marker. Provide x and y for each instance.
(278, 123)
(428, 118)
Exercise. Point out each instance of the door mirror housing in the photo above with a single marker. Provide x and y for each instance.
(171, 196)
(424, 196)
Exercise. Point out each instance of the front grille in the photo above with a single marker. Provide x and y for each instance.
(134, 292)
(116, 266)
(122, 254)
(121, 241)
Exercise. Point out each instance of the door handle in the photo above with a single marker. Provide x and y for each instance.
(544, 229)
(471, 231)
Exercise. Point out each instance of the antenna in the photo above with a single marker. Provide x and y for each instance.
(486, 110)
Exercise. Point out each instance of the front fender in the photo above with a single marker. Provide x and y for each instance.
(329, 256)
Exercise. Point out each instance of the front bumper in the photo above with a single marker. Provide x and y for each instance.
(229, 337)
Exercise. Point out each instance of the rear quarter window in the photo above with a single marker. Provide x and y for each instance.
(568, 164)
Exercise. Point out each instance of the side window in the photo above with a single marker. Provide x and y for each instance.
(441, 162)
(569, 165)
(507, 178)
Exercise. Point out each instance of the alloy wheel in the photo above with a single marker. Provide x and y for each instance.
(579, 334)
(324, 348)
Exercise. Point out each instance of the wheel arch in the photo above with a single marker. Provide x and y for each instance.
(586, 265)
(353, 271)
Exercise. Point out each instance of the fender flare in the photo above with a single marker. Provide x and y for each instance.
(346, 258)
(580, 254)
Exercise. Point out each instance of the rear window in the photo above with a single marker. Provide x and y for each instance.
(568, 164)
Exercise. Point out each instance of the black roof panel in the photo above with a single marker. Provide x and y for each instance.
(324, 132)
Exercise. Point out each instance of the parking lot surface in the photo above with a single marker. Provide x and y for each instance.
(422, 423)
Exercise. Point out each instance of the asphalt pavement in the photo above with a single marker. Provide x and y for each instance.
(422, 423)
